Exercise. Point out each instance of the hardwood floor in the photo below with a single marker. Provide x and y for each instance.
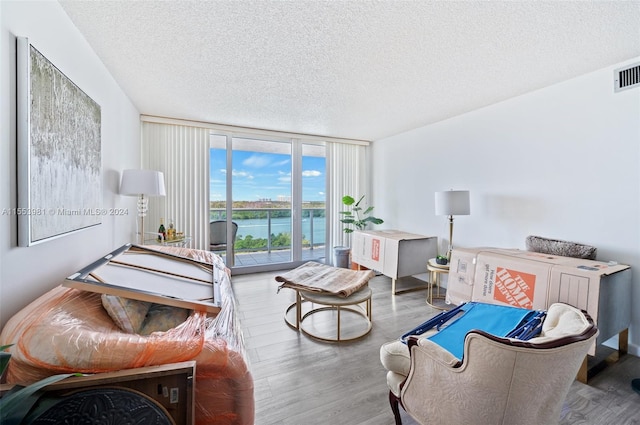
(302, 381)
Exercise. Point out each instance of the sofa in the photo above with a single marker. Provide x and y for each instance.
(69, 330)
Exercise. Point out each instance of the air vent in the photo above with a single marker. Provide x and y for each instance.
(627, 77)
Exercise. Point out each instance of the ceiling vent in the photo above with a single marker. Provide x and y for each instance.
(627, 77)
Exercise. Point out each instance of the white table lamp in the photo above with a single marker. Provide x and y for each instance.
(142, 183)
(452, 202)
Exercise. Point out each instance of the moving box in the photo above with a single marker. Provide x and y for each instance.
(534, 280)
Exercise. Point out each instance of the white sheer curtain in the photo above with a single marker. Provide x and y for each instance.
(182, 154)
(348, 171)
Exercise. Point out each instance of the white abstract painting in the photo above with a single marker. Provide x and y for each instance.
(61, 189)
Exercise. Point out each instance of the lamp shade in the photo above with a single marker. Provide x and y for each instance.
(453, 202)
(142, 182)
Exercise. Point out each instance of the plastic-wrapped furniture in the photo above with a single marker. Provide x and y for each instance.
(69, 330)
(498, 380)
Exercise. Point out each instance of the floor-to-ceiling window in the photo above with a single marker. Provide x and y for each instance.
(274, 191)
(308, 217)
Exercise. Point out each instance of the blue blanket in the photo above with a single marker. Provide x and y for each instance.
(494, 319)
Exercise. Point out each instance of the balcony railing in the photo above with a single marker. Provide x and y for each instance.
(267, 229)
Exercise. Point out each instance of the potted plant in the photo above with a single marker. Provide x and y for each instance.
(354, 218)
(442, 260)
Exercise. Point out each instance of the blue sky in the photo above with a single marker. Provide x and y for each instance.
(258, 175)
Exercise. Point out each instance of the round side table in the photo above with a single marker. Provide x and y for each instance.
(435, 271)
(332, 303)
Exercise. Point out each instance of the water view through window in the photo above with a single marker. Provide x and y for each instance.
(262, 186)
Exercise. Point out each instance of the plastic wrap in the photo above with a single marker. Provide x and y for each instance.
(68, 330)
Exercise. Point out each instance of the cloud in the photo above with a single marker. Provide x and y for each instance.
(245, 174)
(283, 162)
(311, 173)
(257, 161)
(284, 177)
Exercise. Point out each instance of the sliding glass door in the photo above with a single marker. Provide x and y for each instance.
(271, 193)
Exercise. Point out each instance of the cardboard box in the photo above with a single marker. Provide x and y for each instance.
(393, 253)
(533, 280)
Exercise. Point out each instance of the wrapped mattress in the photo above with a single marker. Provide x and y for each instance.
(69, 330)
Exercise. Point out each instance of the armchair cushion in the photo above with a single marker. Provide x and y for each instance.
(394, 382)
(562, 320)
(394, 355)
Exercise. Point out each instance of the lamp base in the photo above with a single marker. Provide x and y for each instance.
(450, 238)
(142, 212)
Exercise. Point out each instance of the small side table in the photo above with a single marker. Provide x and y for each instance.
(159, 240)
(182, 242)
(333, 303)
(435, 271)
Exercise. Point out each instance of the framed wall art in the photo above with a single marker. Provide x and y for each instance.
(59, 151)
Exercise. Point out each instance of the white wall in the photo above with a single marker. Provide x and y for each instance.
(26, 273)
(561, 162)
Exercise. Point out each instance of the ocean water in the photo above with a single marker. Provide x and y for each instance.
(258, 228)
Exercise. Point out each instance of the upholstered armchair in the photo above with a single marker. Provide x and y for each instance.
(498, 380)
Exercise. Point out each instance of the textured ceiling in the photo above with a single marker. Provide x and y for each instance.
(353, 69)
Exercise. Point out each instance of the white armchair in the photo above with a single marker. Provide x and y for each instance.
(498, 381)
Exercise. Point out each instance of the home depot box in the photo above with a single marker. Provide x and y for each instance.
(393, 253)
(533, 280)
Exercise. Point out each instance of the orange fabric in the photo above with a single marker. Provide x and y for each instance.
(68, 330)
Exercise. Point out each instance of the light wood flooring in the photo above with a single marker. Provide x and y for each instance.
(302, 381)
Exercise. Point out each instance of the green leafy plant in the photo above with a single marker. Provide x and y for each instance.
(355, 217)
(4, 358)
(442, 259)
